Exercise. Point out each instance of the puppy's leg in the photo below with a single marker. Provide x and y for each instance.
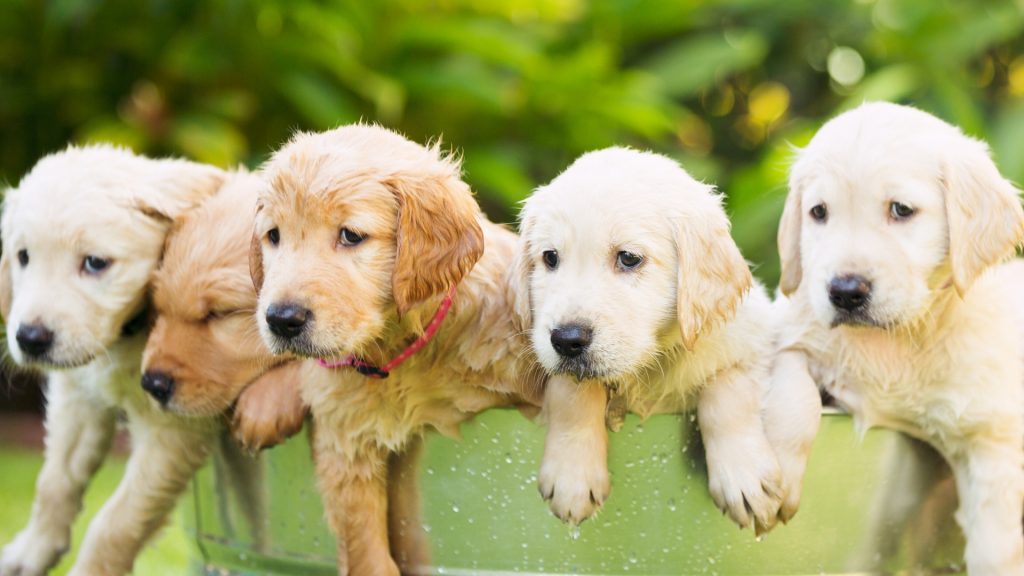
(163, 460)
(409, 544)
(792, 414)
(355, 495)
(574, 472)
(743, 474)
(990, 482)
(79, 430)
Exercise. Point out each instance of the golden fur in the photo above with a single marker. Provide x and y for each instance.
(423, 233)
(205, 336)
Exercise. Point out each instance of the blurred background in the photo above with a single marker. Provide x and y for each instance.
(518, 87)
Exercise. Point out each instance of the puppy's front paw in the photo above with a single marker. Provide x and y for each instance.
(574, 482)
(270, 410)
(32, 554)
(745, 480)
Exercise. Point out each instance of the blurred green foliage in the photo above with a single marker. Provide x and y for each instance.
(519, 87)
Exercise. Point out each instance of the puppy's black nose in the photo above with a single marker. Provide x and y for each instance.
(287, 320)
(34, 339)
(571, 340)
(159, 385)
(849, 292)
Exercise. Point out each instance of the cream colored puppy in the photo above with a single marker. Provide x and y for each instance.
(632, 286)
(82, 233)
(891, 243)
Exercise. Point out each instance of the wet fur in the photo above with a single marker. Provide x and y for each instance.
(424, 233)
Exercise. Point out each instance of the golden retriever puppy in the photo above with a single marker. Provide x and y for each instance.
(369, 251)
(897, 304)
(205, 346)
(635, 288)
(82, 233)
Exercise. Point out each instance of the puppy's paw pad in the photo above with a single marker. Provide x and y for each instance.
(575, 489)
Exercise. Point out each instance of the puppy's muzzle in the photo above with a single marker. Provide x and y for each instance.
(35, 340)
(571, 340)
(288, 320)
(159, 385)
(849, 292)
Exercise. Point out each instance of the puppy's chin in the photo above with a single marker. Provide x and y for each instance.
(581, 369)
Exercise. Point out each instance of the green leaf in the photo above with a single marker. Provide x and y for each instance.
(687, 66)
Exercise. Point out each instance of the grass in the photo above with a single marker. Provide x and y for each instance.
(167, 554)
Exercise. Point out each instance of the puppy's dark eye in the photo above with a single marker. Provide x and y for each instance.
(628, 260)
(899, 211)
(819, 213)
(274, 236)
(23, 257)
(94, 264)
(349, 238)
(550, 258)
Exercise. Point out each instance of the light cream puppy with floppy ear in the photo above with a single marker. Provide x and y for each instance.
(632, 285)
(898, 305)
(82, 233)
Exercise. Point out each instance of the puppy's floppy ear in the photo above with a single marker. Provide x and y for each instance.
(438, 239)
(983, 212)
(789, 239)
(256, 258)
(713, 276)
(519, 277)
(176, 186)
(6, 290)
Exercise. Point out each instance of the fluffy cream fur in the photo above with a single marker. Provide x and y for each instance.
(687, 326)
(938, 349)
(103, 202)
(421, 232)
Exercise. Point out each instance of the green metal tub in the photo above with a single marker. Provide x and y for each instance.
(881, 504)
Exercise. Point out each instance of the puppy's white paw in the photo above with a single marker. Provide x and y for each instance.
(32, 554)
(574, 482)
(745, 480)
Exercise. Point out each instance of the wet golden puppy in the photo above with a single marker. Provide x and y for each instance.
(360, 236)
(205, 347)
(82, 233)
(635, 288)
(900, 303)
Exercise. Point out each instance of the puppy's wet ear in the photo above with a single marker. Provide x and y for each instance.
(713, 276)
(519, 276)
(176, 186)
(983, 212)
(439, 238)
(6, 289)
(789, 239)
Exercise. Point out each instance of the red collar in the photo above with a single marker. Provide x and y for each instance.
(372, 371)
